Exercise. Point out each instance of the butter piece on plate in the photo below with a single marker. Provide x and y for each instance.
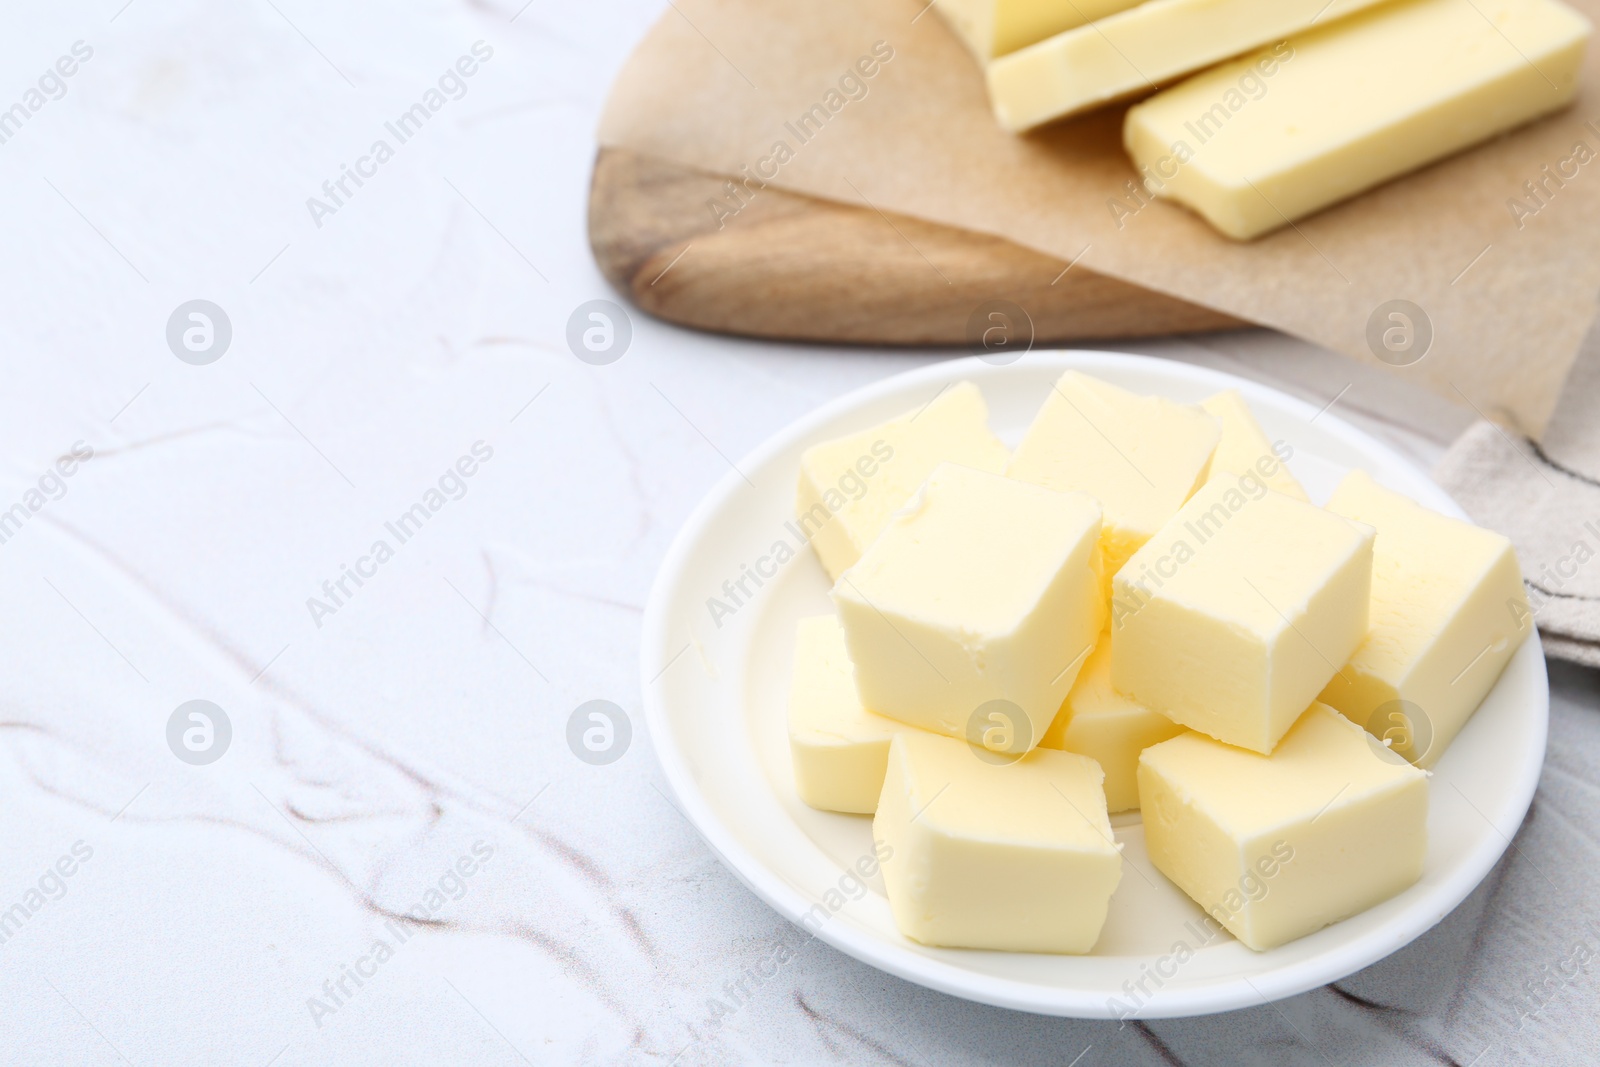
(1351, 105)
(1244, 448)
(1140, 456)
(1137, 50)
(838, 747)
(994, 27)
(1276, 847)
(1098, 722)
(1448, 612)
(849, 486)
(1016, 857)
(1234, 617)
(982, 590)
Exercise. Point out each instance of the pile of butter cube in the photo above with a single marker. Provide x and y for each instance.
(1138, 608)
(1264, 111)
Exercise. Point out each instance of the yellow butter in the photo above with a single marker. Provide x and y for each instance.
(1244, 448)
(1234, 617)
(994, 27)
(1448, 612)
(838, 748)
(1139, 456)
(1277, 847)
(1016, 857)
(1098, 722)
(1136, 50)
(1351, 105)
(849, 486)
(983, 589)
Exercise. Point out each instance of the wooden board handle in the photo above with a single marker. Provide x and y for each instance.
(799, 268)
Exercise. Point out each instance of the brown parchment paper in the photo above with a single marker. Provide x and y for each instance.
(717, 84)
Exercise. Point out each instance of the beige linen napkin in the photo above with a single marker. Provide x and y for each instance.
(1546, 498)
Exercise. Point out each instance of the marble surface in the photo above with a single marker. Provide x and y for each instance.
(398, 772)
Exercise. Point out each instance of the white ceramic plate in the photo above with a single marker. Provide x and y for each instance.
(715, 703)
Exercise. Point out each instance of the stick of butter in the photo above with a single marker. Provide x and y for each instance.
(1099, 722)
(849, 486)
(838, 748)
(1352, 105)
(1448, 612)
(1276, 847)
(1244, 448)
(1234, 617)
(1139, 49)
(973, 612)
(1016, 857)
(1140, 456)
(994, 27)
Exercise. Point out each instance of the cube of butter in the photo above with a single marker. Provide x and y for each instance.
(1140, 456)
(983, 589)
(1448, 612)
(1276, 847)
(1016, 858)
(1099, 722)
(994, 27)
(1235, 616)
(839, 748)
(1342, 108)
(1244, 448)
(849, 486)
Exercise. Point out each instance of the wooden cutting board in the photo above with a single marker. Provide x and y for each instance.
(794, 267)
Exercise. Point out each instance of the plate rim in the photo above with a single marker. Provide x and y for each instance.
(1223, 994)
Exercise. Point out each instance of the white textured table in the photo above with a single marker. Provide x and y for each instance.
(398, 737)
